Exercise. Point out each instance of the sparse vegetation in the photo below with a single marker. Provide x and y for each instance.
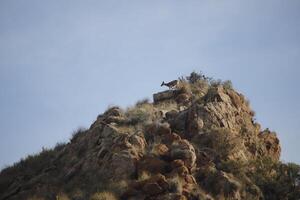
(103, 196)
(218, 140)
(139, 114)
(199, 145)
(62, 196)
(142, 102)
(77, 134)
(227, 85)
(175, 185)
(144, 176)
(277, 180)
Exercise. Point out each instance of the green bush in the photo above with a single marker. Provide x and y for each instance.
(276, 180)
(227, 85)
(219, 140)
(194, 77)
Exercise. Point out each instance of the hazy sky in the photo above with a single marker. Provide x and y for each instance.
(64, 62)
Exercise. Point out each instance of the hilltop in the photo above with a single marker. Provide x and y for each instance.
(196, 140)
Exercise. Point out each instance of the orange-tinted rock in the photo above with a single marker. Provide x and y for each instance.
(190, 179)
(153, 186)
(161, 150)
(271, 144)
(181, 171)
(177, 163)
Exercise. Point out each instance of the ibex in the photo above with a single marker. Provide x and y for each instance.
(171, 84)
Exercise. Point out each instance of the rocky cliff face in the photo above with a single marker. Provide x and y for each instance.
(196, 141)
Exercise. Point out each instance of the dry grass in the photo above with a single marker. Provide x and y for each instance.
(139, 114)
(125, 129)
(103, 196)
(184, 87)
(62, 196)
(167, 106)
(144, 176)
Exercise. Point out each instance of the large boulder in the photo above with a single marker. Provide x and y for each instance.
(150, 188)
(271, 146)
(165, 95)
(185, 151)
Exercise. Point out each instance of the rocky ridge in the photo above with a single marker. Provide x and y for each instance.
(196, 141)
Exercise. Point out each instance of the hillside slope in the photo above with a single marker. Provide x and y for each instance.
(198, 140)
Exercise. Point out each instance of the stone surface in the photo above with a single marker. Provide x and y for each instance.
(165, 95)
(182, 151)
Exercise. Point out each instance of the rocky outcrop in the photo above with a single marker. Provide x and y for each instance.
(165, 95)
(186, 145)
(270, 144)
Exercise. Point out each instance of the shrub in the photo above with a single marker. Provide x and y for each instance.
(184, 87)
(232, 166)
(59, 146)
(139, 114)
(62, 196)
(144, 176)
(210, 95)
(219, 140)
(194, 77)
(227, 85)
(275, 179)
(142, 102)
(215, 82)
(77, 134)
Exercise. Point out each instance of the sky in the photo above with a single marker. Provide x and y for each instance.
(64, 62)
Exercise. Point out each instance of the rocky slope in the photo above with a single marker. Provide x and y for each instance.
(198, 140)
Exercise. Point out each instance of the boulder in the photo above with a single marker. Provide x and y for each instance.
(122, 165)
(161, 150)
(185, 151)
(151, 187)
(170, 138)
(109, 131)
(165, 95)
(171, 114)
(178, 121)
(177, 163)
(271, 144)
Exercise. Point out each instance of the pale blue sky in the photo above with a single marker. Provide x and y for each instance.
(64, 62)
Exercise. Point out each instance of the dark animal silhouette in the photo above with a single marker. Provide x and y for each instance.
(171, 84)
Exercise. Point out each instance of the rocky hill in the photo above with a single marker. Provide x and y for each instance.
(196, 140)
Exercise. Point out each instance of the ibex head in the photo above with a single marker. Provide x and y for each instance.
(162, 84)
